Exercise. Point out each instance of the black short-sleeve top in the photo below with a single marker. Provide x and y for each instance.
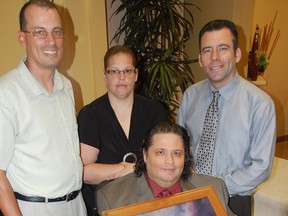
(100, 128)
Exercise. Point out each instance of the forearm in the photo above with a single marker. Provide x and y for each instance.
(8, 202)
(96, 173)
(254, 170)
(243, 181)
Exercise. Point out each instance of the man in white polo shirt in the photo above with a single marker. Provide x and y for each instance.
(40, 164)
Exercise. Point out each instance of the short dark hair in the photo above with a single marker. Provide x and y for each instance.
(116, 50)
(219, 24)
(39, 3)
(166, 127)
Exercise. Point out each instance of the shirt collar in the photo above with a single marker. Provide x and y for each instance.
(156, 189)
(34, 85)
(227, 90)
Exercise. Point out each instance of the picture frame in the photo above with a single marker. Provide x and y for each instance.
(175, 202)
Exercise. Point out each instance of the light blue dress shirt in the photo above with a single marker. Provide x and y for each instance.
(246, 134)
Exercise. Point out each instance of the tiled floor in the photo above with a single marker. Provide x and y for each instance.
(282, 150)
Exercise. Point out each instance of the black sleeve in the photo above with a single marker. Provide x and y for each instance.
(87, 128)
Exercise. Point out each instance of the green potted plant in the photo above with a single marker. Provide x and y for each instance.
(157, 32)
(262, 62)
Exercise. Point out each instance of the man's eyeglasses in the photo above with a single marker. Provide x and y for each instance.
(42, 33)
(127, 72)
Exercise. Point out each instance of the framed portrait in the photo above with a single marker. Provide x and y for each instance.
(199, 202)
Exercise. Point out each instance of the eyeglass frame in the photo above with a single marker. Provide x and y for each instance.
(46, 33)
(114, 72)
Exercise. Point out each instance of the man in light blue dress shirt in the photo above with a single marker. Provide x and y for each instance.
(246, 134)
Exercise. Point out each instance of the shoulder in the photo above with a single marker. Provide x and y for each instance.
(120, 192)
(252, 90)
(139, 99)
(127, 181)
(194, 94)
(195, 91)
(200, 180)
(150, 108)
(253, 97)
(66, 82)
(199, 86)
(119, 186)
(91, 114)
(9, 79)
(96, 105)
(19, 76)
(147, 103)
(10, 91)
(13, 85)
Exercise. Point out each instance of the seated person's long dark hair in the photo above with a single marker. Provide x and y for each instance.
(166, 127)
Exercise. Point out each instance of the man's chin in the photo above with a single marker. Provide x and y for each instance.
(51, 65)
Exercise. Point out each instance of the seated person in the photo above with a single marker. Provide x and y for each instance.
(166, 164)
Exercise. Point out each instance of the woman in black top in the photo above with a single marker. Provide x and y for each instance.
(115, 124)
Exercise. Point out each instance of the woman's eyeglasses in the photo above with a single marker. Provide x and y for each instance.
(127, 72)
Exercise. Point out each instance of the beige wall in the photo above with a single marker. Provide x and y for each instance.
(85, 22)
(276, 73)
(85, 44)
(11, 49)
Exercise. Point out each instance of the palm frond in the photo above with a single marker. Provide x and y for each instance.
(157, 32)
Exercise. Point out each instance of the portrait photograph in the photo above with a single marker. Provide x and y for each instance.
(198, 202)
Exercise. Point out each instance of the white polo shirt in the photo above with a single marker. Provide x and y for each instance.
(39, 144)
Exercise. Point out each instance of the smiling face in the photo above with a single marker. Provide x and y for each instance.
(42, 54)
(165, 159)
(120, 85)
(217, 56)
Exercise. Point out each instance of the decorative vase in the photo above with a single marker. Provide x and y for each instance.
(253, 69)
